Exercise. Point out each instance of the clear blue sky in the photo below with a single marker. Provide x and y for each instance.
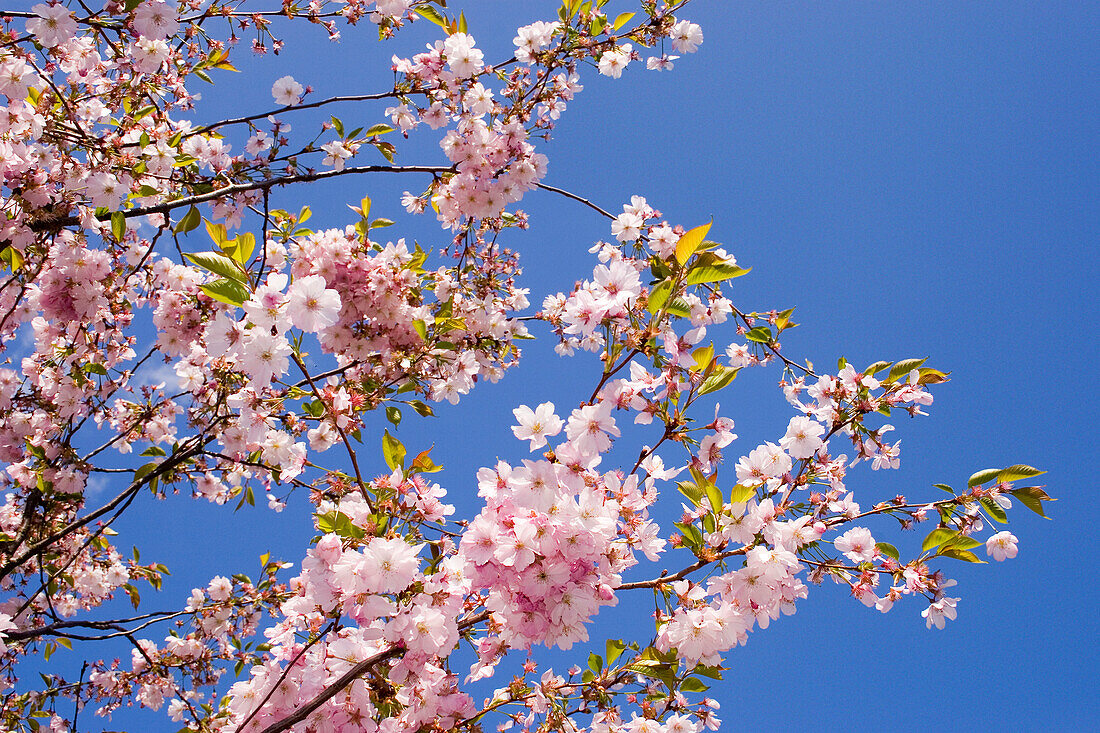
(918, 179)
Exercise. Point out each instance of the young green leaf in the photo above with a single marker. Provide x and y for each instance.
(981, 477)
(966, 555)
(1017, 472)
(393, 451)
(760, 334)
(658, 296)
(613, 649)
(902, 368)
(217, 264)
(190, 220)
(621, 20)
(715, 273)
(994, 510)
(118, 225)
(885, 548)
(739, 494)
(690, 242)
(230, 292)
(720, 378)
(1032, 497)
(938, 537)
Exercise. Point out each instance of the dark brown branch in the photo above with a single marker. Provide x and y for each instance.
(53, 223)
(575, 197)
(350, 676)
(310, 105)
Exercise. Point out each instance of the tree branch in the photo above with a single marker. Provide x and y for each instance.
(50, 223)
(350, 676)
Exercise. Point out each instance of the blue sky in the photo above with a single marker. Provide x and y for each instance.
(918, 179)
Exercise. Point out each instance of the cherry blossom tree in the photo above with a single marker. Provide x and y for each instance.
(136, 237)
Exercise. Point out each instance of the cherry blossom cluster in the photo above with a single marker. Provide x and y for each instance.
(554, 539)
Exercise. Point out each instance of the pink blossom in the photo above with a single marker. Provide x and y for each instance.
(613, 62)
(1001, 545)
(857, 544)
(803, 437)
(536, 425)
(286, 91)
(311, 305)
(53, 26)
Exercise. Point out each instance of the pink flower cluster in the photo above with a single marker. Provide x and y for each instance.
(550, 546)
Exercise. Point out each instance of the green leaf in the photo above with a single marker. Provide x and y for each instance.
(380, 222)
(379, 129)
(690, 242)
(659, 268)
(429, 12)
(994, 510)
(692, 536)
(654, 668)
(190, 220)
(363, 209)
(218, 264)
(760, 334)
(783, 320)
(691, 490)
(966, 555)
(118, 225)
(393, 451)
(230, 292)
(679, 307)
(423, 409)
(217, 233)
(144, 471)
(714, 496)
(931, 376)
(715, 273)
(938, 537)
(714, 672)
(336, 522)
(703, 356)
(393, 415)
(386, 149)
(246, 245)
(658, 296)
(944, 487)
(613, 649)
(595, 663)
(740, 493)
(1017, 472)
(981, 477)
(621, 20)
(719, 379)
(13, 257)
(337, 125)
(962, 542)
(875, 368)
(1032, 497)
(692, 684)
(903, 367)
(885, 548)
